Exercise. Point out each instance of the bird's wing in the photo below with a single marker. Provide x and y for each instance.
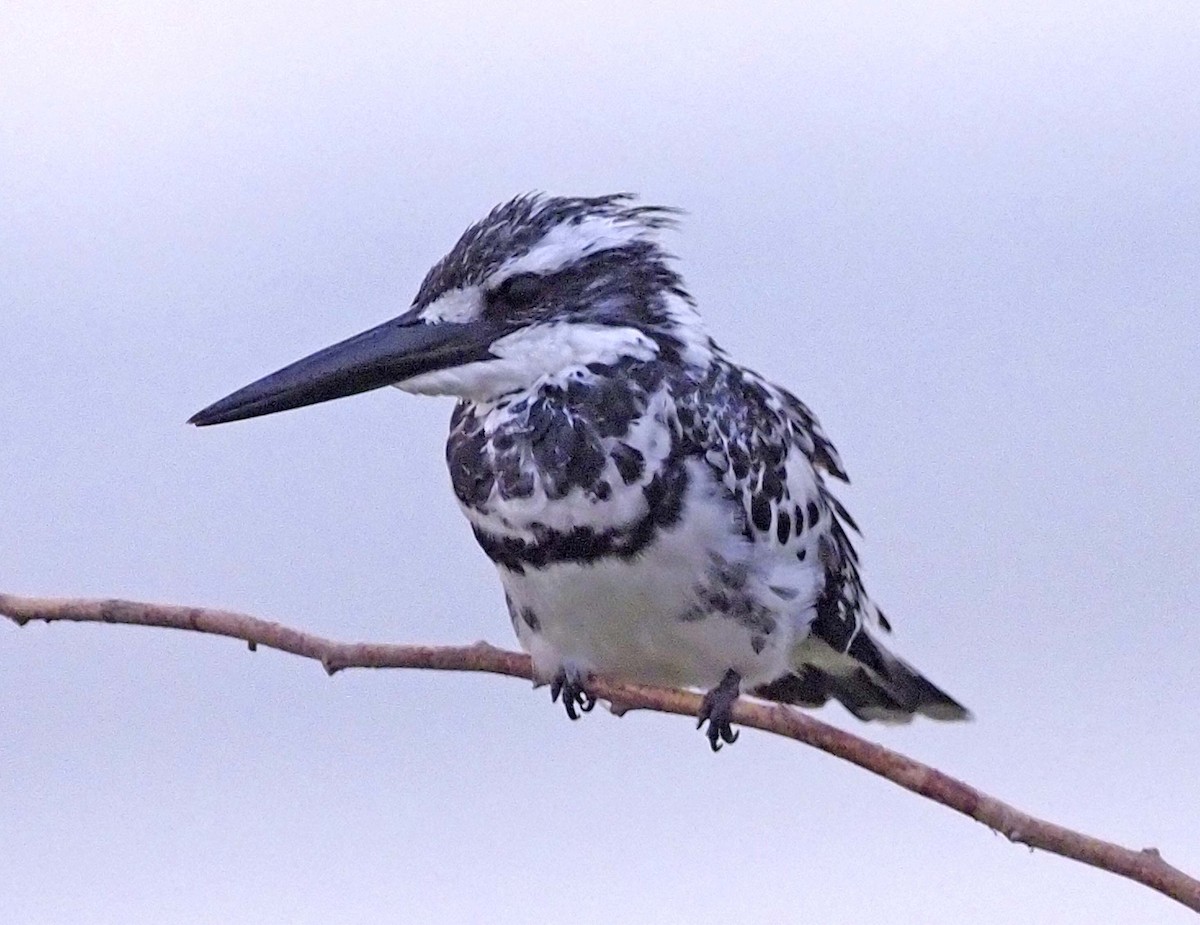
(768, 449)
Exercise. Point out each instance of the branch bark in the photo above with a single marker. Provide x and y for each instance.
(1146, 866)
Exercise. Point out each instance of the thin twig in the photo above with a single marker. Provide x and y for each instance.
(1146, 866)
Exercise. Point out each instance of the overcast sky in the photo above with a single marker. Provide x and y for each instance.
(965, 234)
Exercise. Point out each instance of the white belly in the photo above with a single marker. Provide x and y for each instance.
(648, 618)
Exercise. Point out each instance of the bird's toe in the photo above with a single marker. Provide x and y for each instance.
(570, 685)
(717, 710)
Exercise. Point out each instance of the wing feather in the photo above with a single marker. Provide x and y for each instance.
(771, 453)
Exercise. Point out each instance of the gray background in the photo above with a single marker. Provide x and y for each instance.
(965, 234)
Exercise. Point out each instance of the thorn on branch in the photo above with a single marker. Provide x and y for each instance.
(483, 648)
(331, 667)
(251, 645)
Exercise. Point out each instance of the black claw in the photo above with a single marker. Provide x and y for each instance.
(575, 697)
(717, 708)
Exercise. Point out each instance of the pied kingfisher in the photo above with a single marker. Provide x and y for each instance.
(656, 512)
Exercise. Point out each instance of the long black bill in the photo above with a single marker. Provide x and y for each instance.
(392, 352)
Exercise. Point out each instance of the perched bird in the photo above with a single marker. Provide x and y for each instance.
(656, 512)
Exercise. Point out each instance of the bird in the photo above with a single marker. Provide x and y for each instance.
(657, 513)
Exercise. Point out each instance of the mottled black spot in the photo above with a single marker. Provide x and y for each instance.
(470, 474)
(512, 480)
(783, 527)
(629, 461)
(725, 595)
(827, 552)
(741, 465)
(737, 606)
(664, 493)
(754, 616)
(686, 417)
(732, 575)
(758, 643)
(541, 416)
(664, 499)
(608, 404)
(566, 449)
(842, 542)
(648, 376)
(760, 513)
(813, 514)
(773, 455)
(802, 553)
(798, 516)
(772, 485)
(694, 613)
(714, 599)
(531, 619)
(602, 490)
(840, 510)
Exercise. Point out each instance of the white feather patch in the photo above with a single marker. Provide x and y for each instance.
(567, 242)
(622, 617)
(690, 329)
(528, 354)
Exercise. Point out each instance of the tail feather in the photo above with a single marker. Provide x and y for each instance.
(868, 680)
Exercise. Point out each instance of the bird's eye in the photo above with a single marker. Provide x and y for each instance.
(519, 291)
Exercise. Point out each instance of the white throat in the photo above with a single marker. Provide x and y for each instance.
(529, 354)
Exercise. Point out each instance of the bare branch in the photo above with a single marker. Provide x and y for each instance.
(1146, 866)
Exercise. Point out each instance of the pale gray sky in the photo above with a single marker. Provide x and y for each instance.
(966, 236)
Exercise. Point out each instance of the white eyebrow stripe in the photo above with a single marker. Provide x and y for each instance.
(567, 241)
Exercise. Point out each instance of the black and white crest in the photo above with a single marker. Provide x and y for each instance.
(515, 228)
(657, 513)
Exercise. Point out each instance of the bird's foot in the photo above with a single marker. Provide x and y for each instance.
(569, 682)
(717, 708)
